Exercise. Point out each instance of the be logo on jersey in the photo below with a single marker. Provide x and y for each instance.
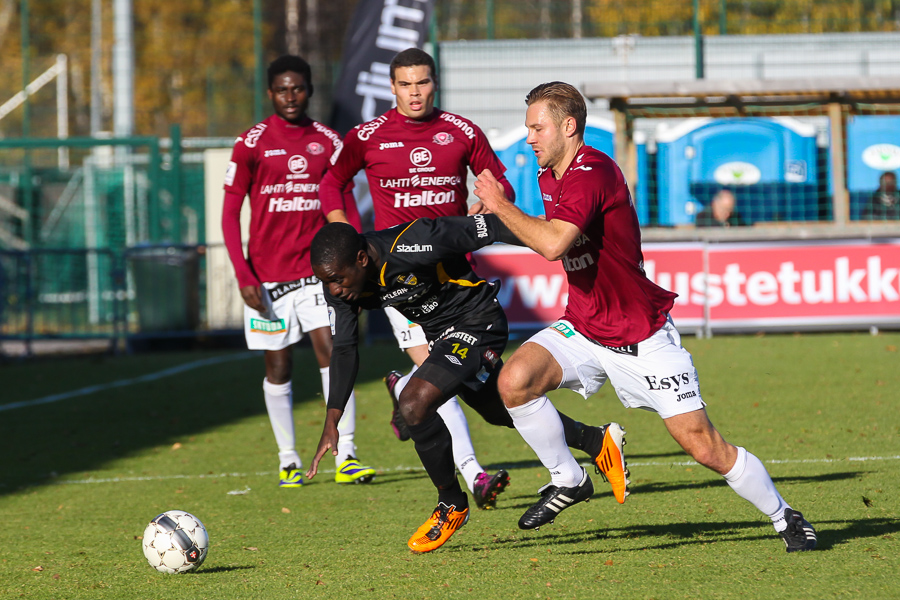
(421, 158)
(297, 165)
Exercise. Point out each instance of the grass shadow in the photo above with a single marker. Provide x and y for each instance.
(80, 434)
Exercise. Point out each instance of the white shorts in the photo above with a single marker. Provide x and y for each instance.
(408, 334)
(291, 314)
(661, 376)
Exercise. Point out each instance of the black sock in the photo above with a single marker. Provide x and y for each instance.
(583, 437)
(435, 449)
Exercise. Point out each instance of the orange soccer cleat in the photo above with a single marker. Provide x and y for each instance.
(610, 461)
(443, 523)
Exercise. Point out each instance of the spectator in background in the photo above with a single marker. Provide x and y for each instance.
(720, 212)
(885, 202)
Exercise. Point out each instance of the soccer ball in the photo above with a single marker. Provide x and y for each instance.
(175, 542)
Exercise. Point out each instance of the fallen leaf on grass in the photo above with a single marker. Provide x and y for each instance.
(176, 446)
(286, 510)
(251, 548)
(38, 568)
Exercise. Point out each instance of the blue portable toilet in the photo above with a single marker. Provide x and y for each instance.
(873, 147)
(522, 167)
(769, 164)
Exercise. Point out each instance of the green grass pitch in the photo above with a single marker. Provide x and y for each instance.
(82, 476)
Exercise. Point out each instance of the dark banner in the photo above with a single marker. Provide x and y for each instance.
(379, 30)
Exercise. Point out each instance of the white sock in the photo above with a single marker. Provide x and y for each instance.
(347, 424)
(280, 406)
(401, 383)
(750, 480)
(539, 425)
(463, 451)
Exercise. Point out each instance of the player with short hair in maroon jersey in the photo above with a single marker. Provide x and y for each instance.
(616, 325)
(416, 158)
(279, 164)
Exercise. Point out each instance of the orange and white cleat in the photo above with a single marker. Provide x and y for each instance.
(610, 462)
(444, 522)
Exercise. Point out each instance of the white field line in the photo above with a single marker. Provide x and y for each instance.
(85, 391)
(404, 469)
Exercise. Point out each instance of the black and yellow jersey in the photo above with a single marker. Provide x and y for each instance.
(423, 272)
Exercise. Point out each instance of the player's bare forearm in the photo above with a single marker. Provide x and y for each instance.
(337, 216)
(328, 441)
(550, 239)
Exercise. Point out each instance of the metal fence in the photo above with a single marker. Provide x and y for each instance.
(120, 295)
(87, 224)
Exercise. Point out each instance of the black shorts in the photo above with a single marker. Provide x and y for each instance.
(465, 360)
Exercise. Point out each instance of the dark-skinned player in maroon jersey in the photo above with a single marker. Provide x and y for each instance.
(416, 158)
(279, 164)
(616, 325)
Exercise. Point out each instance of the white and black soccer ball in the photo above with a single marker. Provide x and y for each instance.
(175, 542)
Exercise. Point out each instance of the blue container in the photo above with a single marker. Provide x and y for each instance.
(769, 164)
(873, 147)
(522, 167)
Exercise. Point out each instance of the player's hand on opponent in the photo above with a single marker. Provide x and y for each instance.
(328, 441)
(489, 191)
(253, 298)
(478, 208)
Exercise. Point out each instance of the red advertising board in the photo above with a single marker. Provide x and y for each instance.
(764, 284)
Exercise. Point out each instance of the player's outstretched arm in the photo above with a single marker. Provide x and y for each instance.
(551, 239)
(328, 441)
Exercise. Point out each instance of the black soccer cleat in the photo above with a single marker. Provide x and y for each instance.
(554, 500)
(398, 425)
(799, 535)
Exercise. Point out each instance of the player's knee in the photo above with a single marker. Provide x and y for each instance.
(512, 384)
(413, 406)
(278, 367)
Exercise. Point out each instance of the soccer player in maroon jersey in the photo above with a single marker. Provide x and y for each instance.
(416, 158)
(279, 163)
(616, 325)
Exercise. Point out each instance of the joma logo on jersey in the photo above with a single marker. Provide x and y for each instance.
(386, 145)
(578, 262)
(267, 327)
(296, 204)
(278, 152)
(426, 198)
(673, 382)
(414, 248)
